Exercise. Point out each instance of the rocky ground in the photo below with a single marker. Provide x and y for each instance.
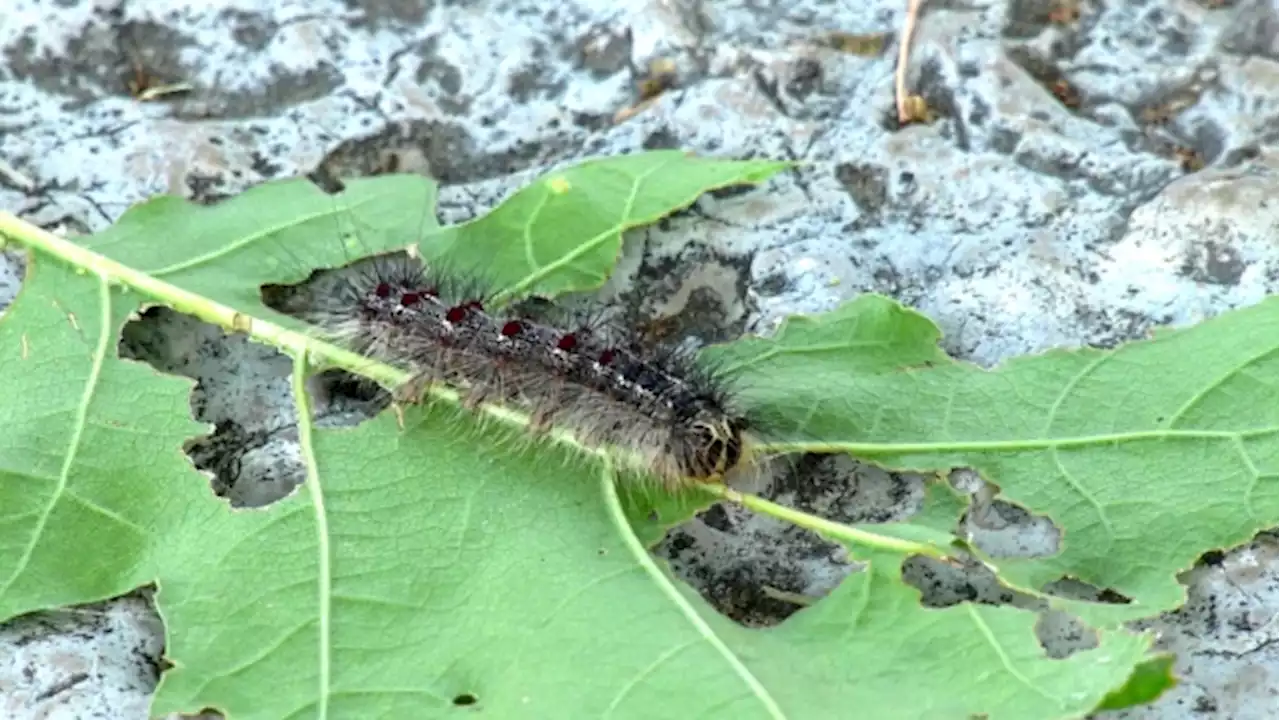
(1094, 170)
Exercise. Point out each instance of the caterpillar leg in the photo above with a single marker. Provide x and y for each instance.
(486, 388)
(412, 392)
(543, 415)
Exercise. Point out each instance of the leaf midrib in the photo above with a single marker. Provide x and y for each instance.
(537, 273)
(77, 432)
(993, 446)
(252, 238)
(645, 560)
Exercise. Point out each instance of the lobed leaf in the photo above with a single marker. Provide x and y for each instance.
(92, 472)
(563, 232)
(1145, 456)
(431, 567)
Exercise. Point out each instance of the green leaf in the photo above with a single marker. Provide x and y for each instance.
(1148, 682)
(563, 233)
(954, 662)
(942, 508)
(452, 573)
(651, 512)
(425, 567)
(414, 572)
(273, 233)
(1145, 456)
(92, 471)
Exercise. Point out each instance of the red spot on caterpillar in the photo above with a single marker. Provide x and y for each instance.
(654, 400)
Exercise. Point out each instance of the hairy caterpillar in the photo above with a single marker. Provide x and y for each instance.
(672, 415)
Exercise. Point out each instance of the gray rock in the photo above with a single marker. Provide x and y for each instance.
(1084, 183)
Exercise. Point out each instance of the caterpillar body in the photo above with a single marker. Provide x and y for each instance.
(672, 415)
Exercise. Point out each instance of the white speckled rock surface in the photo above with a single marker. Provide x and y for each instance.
(1017, 221)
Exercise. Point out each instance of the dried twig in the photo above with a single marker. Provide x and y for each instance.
(659, 77)
(144, 86)
(14, 176)
(900, 76)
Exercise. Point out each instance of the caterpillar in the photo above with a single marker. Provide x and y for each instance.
(672, 415)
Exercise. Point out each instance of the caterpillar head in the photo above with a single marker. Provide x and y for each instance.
(712, 445)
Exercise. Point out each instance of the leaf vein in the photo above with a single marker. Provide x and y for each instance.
(1066, 391)
(645, 672)
(587, 246)
(1258, 478)
(528, 231)
(250, 239)
(77, 433)
(990, 637)
(775, 351)
(1198, 396)
(324, 553)
(979, 446)
(579, 592)
(699, 623)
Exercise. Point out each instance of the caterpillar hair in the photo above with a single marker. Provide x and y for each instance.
(671, 414)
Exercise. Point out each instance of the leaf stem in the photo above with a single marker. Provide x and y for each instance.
(830, 529)
(303, 346)
(324, 580)
(296, 343)
(192, 304)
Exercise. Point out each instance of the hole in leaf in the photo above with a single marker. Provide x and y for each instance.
(945, 584)
(465, 699)
(1213, 557)
(1076, 589)
(13, 271)
(1062, 635)
(251, 454)
(841, 487)
(320, 288)
(328, 183)
(1005, 530)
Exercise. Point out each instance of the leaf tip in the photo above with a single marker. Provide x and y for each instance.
(1149, 680)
